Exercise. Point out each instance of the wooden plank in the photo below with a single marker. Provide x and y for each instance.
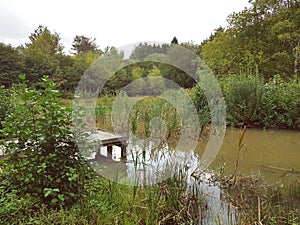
(108, 138)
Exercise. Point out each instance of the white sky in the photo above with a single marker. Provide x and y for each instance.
(115, 22)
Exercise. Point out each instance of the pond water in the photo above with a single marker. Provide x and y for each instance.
(267, 154)
(148, 163)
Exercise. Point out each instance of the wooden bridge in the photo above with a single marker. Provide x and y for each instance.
(108, 140)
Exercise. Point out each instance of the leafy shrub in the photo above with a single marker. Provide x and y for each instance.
(249, 101)
(44, 160)
(243, 94)
(280, 104)
(5, 104)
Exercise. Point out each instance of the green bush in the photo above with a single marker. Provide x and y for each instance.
(242, 94)
(44, 160)
(280, 105)
(250, 102)
(200, 102)
(5, 104)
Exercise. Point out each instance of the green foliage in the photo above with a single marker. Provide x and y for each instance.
(264, 34)
(44, 42)
(243, 94)
(167, 53)
(107, 202)
(44, 160)
(200, 102)
(14, 208)
(143, 50)
(5, 104)
(280, 104)
(83, 44)
(73, 69)
(148, 108)
(185, 60)
(195, 48)
(42, 55)
(119, 80)
(249, 101)
(11, 65)
(221, 54)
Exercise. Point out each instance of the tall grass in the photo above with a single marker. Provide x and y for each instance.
(149, 108)
(107, 202)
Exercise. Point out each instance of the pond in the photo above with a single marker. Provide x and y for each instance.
(270, 154)
(273, 155)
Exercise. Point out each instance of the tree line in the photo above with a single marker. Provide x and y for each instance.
(43, 56)
(264, 37)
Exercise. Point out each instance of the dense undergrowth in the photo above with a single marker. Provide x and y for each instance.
(251, 101)
(107, 202)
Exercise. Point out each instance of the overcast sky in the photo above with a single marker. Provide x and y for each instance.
(115, 22)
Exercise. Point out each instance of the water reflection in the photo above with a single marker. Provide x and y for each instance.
(218, 210)
(148, 163)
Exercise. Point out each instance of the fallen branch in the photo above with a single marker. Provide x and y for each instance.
(281, 169)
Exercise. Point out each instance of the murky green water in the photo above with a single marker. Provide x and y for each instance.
(264, 151)
(147, 163)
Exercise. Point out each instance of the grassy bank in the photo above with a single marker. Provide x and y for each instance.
(169, 202)
(106, 202)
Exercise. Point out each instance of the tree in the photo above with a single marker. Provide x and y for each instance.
(297, 61)
(143, 50)
(11, 65)
(74, 69)
(42, 55)
(84, 44)
(262, 36)
(167, 53)
(174, 41)
(44, 42)
(195, 48)
(223, 54)
(187, 65)
(6, 105)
